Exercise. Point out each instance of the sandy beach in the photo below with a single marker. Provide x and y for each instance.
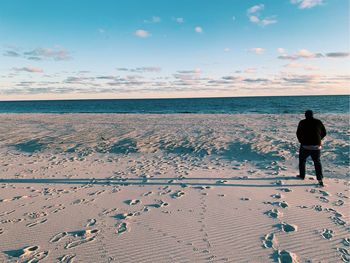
(170, 188)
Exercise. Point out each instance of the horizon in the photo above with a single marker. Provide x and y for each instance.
(63, 50)
(176, 98)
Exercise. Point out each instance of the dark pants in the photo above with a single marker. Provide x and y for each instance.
(315, 155)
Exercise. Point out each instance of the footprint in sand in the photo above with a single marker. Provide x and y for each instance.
(323, 199)
(132, 202)
(79, 242)
(327, 234)
(158, 204)
(284, 256)
(85, 234)
(318, 208)
(91, 222)
(278, 182)
(58, 237)
(177, 194)
(147, 194)
(286, 190)
(338, 221)
(270, 241)
(23, 252)
(338, 203)
(36, 222)
(282, 204)
(341, 195)
(302, 206)
(344, 253)
(274, 213)
(66, 259)
(123, 216)
(38, 256)
(245, 198)
(121, 228)
(285, 227)
(276, 196)
(221, 182)
(346, 242)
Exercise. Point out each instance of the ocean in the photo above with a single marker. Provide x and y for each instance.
(234, 105)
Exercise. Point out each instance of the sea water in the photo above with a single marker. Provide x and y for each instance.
(270, 105)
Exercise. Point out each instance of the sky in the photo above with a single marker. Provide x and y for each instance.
(108, 49)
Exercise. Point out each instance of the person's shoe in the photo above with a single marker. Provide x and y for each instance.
(321, 183)
(299, 177)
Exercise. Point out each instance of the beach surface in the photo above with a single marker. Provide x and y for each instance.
(170, 188)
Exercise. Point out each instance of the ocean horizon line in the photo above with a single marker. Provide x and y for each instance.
(175, 98)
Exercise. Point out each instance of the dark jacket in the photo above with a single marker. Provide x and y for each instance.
(311, 131)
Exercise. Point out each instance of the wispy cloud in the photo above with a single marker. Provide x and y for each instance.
(255, 17)
(142, 33)
(56, 53)
(250, 70)
(47, 53)
(306, 54)
(29, 69)
(256, 8)
(281, 50)
(299, 79)
(295, 65)
(153, 20)
(257, 50)
(179, 20)
(141, 69)
(198, 29)
(11, 53)
(337, 54)
(302, 53)
(304, 4)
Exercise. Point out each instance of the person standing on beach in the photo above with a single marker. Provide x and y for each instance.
(310, 133)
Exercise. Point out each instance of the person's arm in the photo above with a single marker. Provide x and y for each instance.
(323, 131)
(299, 132)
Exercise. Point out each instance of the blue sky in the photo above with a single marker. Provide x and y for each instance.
(183, 48)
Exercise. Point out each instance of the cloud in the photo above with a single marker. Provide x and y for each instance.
(255, 9)
(40, 54)
(255, 17)
(250, 70)
(179, 20)
(258, 50)
(142, 33)
(299, 79)
(153, 20)
(302, 53)
(47, 53)
(304, 4)
(198, 29)
(101, 30)
(193, 71)
(257, 80)
(295, 65)
(227, 49)
(281, 50)
(11, 53)
(141, 69)
(229, 78)
(29, 69)
(337, 54)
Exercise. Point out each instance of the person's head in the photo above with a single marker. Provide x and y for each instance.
(309, 114)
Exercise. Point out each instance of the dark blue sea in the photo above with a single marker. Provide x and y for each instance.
(272, 105)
